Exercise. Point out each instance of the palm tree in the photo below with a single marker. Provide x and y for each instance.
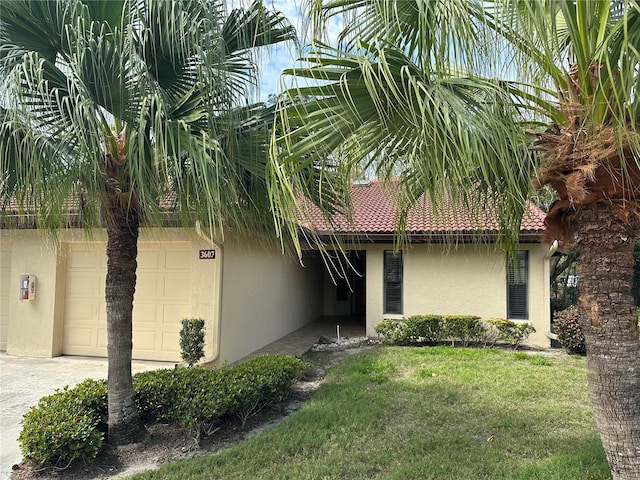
(500, 97)
(134, 113)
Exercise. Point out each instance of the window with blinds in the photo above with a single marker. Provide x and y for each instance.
(392, 282)
(517, 286)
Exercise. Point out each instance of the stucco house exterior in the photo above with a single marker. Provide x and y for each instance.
(251, 295)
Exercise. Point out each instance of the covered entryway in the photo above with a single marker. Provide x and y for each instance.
(5, 282)
(345, 293)
(161, 301)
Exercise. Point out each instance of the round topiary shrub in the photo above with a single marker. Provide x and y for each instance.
(570, 336)
(66, 427)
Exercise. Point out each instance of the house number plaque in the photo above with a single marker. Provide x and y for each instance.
(207, 254)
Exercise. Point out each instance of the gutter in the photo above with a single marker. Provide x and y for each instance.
(218, 317)
(217, 342)
(552, 249)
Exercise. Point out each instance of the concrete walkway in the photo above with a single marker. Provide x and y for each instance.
(24, 380)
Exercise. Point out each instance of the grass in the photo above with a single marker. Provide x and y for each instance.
(427, 413)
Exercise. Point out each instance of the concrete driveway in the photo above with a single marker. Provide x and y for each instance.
(24, 380)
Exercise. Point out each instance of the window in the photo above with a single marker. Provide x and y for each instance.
(392, 282)
(517, 284)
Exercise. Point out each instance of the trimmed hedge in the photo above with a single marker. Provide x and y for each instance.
(513, 333)
(466, 329)
(197, 398)
(66, 427)
(430, 329)
(463, 329)
(71, 424)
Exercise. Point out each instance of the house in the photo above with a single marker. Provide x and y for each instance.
(251, 295)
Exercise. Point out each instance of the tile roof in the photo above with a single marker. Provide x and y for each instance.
(374, 213)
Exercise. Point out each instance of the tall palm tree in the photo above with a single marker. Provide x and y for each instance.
(125, 111)
(500, 97)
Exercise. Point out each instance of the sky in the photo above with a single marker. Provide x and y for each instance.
(283, 56)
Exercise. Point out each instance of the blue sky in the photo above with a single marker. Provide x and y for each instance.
(280, 57)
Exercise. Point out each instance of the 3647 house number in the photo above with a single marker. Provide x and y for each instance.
(207, 254)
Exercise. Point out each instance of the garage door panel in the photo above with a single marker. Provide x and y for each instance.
(173, 314)
(169, 342)
(161, 300)
(150, 259)
(145, 340)
(145, 314)
(102, 338)
(81, 337)
(81, 312)
(149, 285)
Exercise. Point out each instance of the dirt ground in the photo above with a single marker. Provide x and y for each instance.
(168, 443)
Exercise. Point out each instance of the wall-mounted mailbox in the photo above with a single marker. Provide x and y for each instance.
(27, 287)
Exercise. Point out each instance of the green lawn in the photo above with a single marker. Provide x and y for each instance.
(427, 413)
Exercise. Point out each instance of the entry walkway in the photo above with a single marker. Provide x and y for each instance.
(304, 338)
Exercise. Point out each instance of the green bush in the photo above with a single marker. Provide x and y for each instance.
(156, 392)
(192, 340)
(425, 328)
(570, 336)
(70, 425)
(197, 398)
(67, 426)
(261, 381)
(513, 333)
(394, 331)
(463, 328)
(429, 329)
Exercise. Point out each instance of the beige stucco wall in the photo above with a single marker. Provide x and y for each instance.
(36, 327)
(465, 280)
(265, 296)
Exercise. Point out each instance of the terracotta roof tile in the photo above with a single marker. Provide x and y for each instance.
(374, 213)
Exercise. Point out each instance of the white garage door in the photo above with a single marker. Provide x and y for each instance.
(161, 300)
(5, 281)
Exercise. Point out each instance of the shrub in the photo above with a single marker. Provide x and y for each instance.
(465, 328)
(202, 398)
(425, 328)
(67, 426)
(395, 332)
(192, 340)
(513, 333)
(260, 381)
(197, 398)
(156, 392)
(433, 328)
(570, 336)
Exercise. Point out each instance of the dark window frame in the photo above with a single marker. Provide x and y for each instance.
(518, 287)
(393, 272)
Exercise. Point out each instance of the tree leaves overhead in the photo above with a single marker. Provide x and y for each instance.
(443, 96)
(146, 100)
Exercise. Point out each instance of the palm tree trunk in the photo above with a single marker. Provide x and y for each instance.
(611, 333)
(124, 421)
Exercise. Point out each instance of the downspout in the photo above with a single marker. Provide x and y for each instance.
(216, 353)
(547, 331)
